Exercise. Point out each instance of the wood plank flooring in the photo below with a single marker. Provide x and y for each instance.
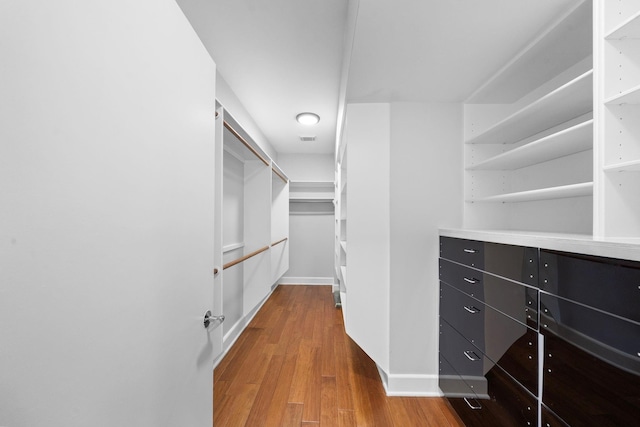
(295, 366)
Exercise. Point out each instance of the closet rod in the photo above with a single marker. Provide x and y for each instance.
(279, 174)
(244, 141)
(279, 241)
(244, 258)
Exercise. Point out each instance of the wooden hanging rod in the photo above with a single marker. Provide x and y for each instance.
(244, 258)
(279, 174)
(246, 144)
(279, 241)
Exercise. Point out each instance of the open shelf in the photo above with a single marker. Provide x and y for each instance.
(565, 103)
(561, 192)
(566, 41)
(312, 191)
(631, 96)
(343, 245)
(631, 166)
(629, 29)
(568, 141)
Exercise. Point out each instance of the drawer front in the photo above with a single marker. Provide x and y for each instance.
(583, 389)
(513, 347)
(515, 300)
(467, 252)
(508, 404)
(453, 384)
(603, 283)
(611, 337)
(518, 263)
(465, 358)
(466, 279)
(464, 313)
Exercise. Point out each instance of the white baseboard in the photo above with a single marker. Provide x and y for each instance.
(306, 280)
(410, 385)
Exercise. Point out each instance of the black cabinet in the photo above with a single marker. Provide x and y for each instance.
(500, 303)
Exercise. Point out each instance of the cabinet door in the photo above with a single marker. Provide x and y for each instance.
(587, 381)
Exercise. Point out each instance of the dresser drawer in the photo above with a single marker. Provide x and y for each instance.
(464, 313)
(513, 299)
(507, 404)
(610, 337)
(583, 389)
(604, 283)
(468, 280)
(455, 385)
(465, 358)
(518, 263)
(467, 252)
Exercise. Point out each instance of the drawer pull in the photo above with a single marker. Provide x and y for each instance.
(472, 281)
(470, 251)
(473, 404)
(471, 355)
(472, 309)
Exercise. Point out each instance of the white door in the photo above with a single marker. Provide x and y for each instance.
(106, 215)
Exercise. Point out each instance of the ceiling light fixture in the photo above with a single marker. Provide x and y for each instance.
(308, 118)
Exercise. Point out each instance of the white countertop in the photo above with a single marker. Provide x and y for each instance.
(578, 243)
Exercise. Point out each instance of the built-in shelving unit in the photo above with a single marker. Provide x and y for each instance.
(617, 44)
(341, 224)
(530, 154)
(252, 205)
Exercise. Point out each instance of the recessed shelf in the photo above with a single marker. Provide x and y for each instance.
(565, 103)
(631, 166)
(561, 192)
(565, 142)
(629, 29)
(631, 96)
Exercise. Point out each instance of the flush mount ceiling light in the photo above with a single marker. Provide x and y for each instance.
(308, 118)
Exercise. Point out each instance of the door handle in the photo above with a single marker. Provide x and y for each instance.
(208, 319)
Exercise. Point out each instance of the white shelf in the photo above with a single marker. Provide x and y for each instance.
(631, 96)
(632, 166)
(343, 245)
(565, 103)
(629, 29)
(565, 42)
(561, 192)
(329, 185)
(565, 142)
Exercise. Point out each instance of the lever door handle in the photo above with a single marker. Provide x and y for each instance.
(209, 319)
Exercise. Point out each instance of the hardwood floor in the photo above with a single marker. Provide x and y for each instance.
(295, 366)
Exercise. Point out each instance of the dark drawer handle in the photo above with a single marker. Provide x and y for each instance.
(470, 251)
(472, 281)
(471, 356)
(472, 309)
(473, 404)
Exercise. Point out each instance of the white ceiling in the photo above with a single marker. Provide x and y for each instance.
(282, 57)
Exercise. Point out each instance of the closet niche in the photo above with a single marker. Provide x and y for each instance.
(255, 226)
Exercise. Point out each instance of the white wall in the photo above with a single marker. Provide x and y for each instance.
(311, 237)
(106, 232)
(426, 194)
(308, 167)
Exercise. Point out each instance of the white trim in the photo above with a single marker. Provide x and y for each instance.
(285, 280)
(410, 385)
(232, 247)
